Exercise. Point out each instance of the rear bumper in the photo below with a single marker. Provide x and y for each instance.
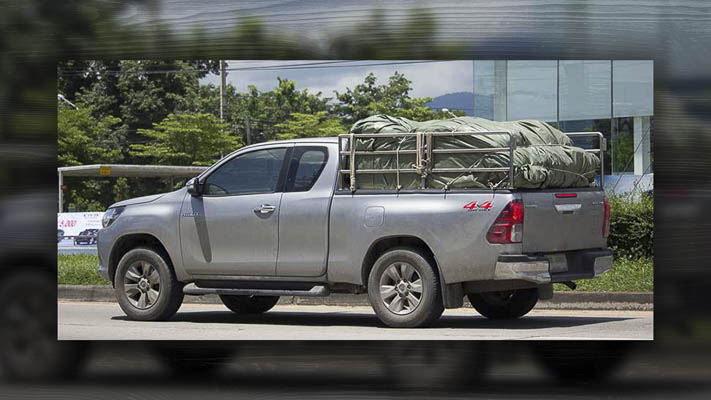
(554, 267)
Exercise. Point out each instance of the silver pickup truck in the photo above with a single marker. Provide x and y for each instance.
(280, 219)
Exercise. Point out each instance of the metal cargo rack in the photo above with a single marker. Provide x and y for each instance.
(424, 151)
(600, 151)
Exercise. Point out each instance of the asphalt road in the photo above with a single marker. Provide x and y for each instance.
(106, 321)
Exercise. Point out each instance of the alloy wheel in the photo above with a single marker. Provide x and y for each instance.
(401, 288)
(141, 285)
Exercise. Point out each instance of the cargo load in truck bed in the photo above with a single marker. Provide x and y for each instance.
(544, 157)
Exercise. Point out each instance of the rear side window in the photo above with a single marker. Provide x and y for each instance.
(307, 163)
(253, 172)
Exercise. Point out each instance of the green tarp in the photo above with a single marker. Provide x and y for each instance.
(544, 157)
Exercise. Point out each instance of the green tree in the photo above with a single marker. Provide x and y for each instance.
(120, 189)
(309, 125)
(186, 139)
(85, 139)
(265, 110)
(393, 98)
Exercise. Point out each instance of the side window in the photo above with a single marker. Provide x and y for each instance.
(254, 172)
(307, 163)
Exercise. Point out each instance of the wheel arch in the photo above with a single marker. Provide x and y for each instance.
(383, 244)
(130, 241)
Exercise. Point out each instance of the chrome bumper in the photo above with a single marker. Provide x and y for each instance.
(532, 271)
(555, 267)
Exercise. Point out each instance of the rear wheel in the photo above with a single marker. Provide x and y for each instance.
(508, 304)
(146, 287)
(249, 304)
(404, 289)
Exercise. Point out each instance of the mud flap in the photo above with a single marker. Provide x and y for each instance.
(453, 295)
(545, 291)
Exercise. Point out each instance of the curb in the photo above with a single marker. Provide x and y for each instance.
(630, 301)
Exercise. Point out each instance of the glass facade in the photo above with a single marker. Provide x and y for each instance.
(585, 90)
(612, 97)
(484, 89)
(633, 83)
(531, 91)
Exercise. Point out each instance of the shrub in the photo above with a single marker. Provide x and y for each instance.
(631, 225)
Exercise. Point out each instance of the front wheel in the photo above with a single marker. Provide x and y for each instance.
(404, 289)
(146, 287)
(249, 304)
(508, 304)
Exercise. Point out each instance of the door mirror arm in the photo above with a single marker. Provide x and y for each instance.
(194, 186)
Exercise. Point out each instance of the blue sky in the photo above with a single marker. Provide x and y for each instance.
(429, 78)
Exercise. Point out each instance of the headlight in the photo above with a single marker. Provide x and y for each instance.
(110, 216)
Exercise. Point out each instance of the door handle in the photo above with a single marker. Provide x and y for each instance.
(265, 209)
(568, 209)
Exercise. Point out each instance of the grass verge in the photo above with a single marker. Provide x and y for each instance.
(626, 276)
(79, 269)
(635, 275)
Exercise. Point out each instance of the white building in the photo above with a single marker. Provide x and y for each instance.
(613, 97)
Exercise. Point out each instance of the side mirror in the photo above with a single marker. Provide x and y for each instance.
(194, 187)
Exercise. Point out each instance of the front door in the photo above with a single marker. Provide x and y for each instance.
(233, 227)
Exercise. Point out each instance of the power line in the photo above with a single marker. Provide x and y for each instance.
(275, 67)
(316, 66)
(168, 71)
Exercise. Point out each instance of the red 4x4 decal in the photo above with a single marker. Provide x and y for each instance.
(473, 205)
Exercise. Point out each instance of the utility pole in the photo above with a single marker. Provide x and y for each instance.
(223, 80)
(247, 131)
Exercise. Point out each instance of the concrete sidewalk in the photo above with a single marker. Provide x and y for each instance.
(637, 301)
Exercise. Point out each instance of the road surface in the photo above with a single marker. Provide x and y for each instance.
(106, 321)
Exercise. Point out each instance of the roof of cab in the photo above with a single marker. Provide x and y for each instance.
(301, 140)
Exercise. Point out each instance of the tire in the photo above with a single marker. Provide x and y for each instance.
(396, 308)
(147, 272)
(504, 305)
(249, 304)
(29, 349)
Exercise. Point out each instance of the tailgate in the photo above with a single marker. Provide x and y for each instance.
(561, 220)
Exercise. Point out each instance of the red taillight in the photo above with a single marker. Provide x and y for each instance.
(606, 219)
(565, 195)
(508, 227)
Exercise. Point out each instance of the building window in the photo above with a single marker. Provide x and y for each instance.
(632, 145)
(633, 88)
(484, 89)
(585, 90)
(532, 90)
